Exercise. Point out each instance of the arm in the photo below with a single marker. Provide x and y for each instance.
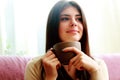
(101, 73)
(33, 69)
(50, 64)
(96, 67)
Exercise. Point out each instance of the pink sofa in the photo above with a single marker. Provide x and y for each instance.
(113, 64)
(13, 67)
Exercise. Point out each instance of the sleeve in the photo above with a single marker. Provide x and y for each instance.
(102, 73)
(33, 70)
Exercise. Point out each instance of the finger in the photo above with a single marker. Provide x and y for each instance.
(49, 49)
(72, 61)
(69, 66)
(58, 65)
(76, 58)
(76, 62)
(48, 56)
(48, 53)
(79, 66)
(52, 56)
(56, 62)
(72, 49)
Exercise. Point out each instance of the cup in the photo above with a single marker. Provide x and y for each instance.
(64, 57)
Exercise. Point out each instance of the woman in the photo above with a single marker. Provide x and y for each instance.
(66, 23)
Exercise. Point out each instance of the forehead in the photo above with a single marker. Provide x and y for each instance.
(70, 10)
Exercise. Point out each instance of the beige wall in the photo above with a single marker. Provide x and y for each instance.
(103, 19)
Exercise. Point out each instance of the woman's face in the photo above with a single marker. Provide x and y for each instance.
(70, 27)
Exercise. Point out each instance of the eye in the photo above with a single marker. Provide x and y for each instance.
(64, 19)
(79, 19)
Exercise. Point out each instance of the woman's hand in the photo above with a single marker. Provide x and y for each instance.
(50, 64)
(81, 61)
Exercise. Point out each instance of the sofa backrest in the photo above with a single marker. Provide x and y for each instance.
(113, 64)
(12, 67)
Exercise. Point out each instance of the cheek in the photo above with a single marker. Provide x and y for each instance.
(61, 31)
(81, 31)
(81, 28)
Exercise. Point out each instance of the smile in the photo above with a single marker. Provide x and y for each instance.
(72, 31)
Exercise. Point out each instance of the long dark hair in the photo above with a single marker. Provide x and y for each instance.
(52, 36)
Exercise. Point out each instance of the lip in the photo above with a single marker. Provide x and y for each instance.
(72, 31)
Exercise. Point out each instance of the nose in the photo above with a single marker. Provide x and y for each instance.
(73, 22)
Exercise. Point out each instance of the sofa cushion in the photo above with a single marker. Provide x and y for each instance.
(12, 67)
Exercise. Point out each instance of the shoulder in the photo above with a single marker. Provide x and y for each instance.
(33, 69)
(103, 67)
(102, 72)
(99, 61)
(35, 62)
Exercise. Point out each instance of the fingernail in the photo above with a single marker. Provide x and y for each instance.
(63, 49)
(51, 48)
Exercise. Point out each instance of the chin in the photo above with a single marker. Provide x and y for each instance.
(71, 40)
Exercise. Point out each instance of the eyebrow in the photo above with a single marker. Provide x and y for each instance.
(69, 15)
